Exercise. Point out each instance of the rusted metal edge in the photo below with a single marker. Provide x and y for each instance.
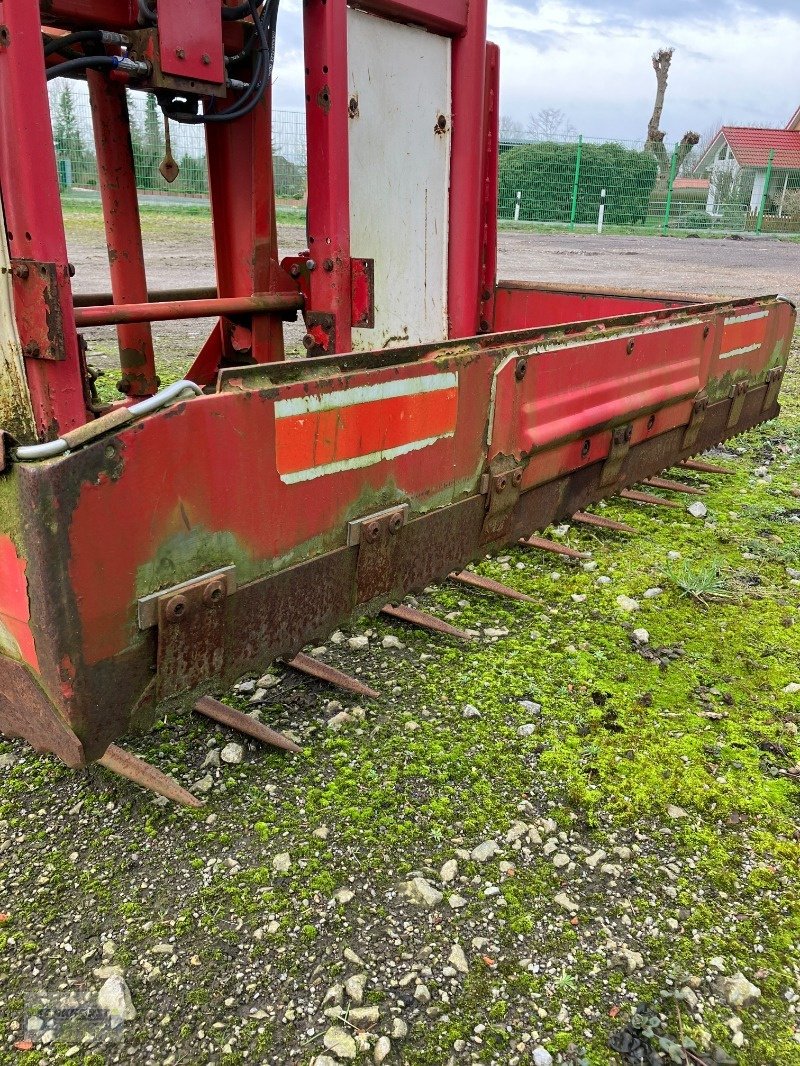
(488, 584)
(243, 723)
(306, 664)
(424, 620)
(143, 773)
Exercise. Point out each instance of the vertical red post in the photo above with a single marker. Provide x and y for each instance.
(491, 139)
(241, 185)
(328, 212)
(34, 225)
(117, 179)
(466, 173)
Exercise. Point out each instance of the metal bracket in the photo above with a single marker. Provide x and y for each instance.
(695, 422)
(620, 446)
(37, 304)
(147, 607)
(321, 336)
(502, 491)
(738, 394)
(191, 630)
(773, 383)
(378, 538)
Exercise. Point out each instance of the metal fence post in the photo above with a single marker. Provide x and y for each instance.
(673, 166)
(574, 211)
(767, 179)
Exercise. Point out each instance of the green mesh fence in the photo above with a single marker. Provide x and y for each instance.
(579, 185)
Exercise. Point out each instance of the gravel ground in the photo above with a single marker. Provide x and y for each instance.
(571, 840)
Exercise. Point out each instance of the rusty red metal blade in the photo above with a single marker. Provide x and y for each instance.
(705, 468)
(244, 723)
(552, 546)
(604, 523)
(488, 584)
(423, 620)
(142, 773)
(306, 664)
(646, 497)
(674, 486)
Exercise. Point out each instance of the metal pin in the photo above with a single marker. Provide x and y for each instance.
(242, 722)
(306, 664)
(424, 620)
(705, 468)
(142, 773)
(551, 546)
(602, 522)
(488, 584)
(646, 497)
(674, 486)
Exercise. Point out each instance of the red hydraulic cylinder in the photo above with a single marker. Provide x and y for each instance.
(117, 178)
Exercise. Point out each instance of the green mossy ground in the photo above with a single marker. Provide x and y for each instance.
(621, 735)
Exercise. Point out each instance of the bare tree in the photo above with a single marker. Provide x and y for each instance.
(510, 129)
(550, 122)
(655, 135)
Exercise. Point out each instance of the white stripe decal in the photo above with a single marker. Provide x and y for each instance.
(734, 320)
(387, 390)
(359, 460)
(740, 351)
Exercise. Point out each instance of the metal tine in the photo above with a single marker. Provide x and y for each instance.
(424, 620)
(142, 773)
(551, 546)
(306, 664)
(674, 486)
(244, 723)
(645, 497)
(488, 584)
(602, 522)
(705, 468)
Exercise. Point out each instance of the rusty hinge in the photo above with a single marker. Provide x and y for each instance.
(738, 395)
(695, 422)
(501, 487)
(191, 629)
(773, 383)
(37, 306)
(378, 537)
(620, 446)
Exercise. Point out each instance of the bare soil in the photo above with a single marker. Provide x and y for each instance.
(179, 254)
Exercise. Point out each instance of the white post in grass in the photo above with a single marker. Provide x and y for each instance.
(516, 206)
(601, 213)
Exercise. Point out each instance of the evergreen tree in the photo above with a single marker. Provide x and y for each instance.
(67, 132)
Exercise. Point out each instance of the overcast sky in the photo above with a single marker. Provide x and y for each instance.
(734, 61)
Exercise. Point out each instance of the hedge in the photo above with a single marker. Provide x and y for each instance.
(544, 172)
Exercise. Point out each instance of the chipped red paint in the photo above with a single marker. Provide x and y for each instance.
(15, 612)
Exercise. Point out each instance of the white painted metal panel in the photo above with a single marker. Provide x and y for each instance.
(400, 176)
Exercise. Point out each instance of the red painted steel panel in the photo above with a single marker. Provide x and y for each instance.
(15, 613)
(110, 14)
(466, 172)
(528, 306)
(32, 205)
(448, 17)
(328, 209)
(491, 137)
(117, 178)
(190, 42)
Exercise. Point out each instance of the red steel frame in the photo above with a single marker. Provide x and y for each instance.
(262, 514)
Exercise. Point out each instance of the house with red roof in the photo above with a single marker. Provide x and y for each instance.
(738, 160)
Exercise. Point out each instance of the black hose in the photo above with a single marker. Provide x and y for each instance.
(58, 44)
(84, 63)
(262, 71)
(231, 14)
(147, 13)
